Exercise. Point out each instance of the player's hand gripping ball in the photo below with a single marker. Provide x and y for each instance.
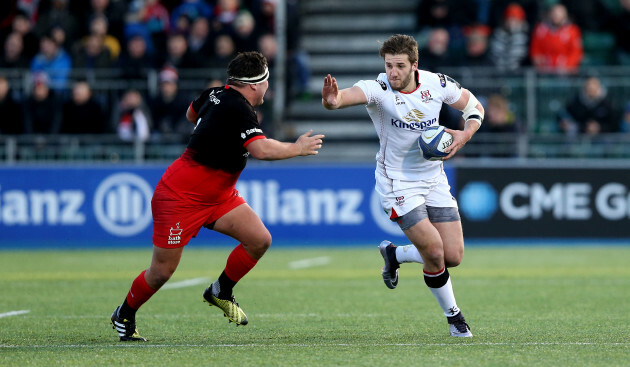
(433, 142)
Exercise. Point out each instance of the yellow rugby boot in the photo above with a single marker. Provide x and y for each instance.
(229, 306)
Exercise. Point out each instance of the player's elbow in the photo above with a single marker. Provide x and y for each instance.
(191, 115)
(260, 150)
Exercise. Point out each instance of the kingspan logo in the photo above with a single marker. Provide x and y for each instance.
(122, 204)
(413, 125)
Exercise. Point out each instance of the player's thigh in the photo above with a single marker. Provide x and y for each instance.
(428, 241)
(166, 256)
(452, 240)
(244, 225)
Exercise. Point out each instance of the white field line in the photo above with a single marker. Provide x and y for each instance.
(312, 345)
(186, 283)
(14, 313)
(309, 263)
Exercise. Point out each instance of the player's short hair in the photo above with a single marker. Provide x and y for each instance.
(247, 68)
(400, 44)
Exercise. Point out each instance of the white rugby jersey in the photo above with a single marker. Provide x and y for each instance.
(400, 118)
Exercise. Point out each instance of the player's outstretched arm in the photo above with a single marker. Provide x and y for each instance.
(333, 98)
(473, 113)
(191, 115)
(271, 149)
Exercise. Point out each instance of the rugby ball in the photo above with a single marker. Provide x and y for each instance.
(433, 142)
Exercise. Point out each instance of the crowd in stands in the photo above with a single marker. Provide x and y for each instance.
(130, 39)
(555, 37)
(126, 39)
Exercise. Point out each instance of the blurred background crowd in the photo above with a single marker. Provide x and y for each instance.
(63, 45)
(69, 66)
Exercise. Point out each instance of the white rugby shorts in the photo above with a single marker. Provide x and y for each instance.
(400, 197)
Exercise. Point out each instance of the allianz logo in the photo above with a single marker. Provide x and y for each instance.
(41, 207)
(121, 204)
(275, 205)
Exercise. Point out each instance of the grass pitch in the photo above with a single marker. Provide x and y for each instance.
(534, 306)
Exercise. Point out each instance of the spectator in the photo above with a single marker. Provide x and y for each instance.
(59, 35)
(151, 19)
(436, 54)
(23, 26)
(244, 36)
(13, 56)
(556, 43)
(42, 110)
(10, 110)
(450, 15)
(190, 10)
(54, 61)
(82, 114)
(264, 16)
(156, 16)
(182, 25)
(477, 54)
(224, 51)
(225, 13)
(499, 118)
(169, 108)
(268, 46)
(509, 42)
(29, 7)
(114, 11)
(498, 9)
(136, 62)
(200, 43)
(100, 26)
(177, 53)
(92, 54)
(59, 17)
(621, 29)
(133, 122)
(589, 112)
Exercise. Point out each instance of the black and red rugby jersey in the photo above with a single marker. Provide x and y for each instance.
(226, 123)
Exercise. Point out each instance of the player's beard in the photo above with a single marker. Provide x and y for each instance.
(404, 82)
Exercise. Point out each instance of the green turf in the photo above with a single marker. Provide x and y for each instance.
(526, 306)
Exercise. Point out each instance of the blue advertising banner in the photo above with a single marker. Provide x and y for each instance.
(109, 206)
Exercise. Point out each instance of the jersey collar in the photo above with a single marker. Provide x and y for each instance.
(417, 86)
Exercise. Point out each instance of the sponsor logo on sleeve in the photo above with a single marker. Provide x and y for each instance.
(442, 80)
(383, 85)
(250, 131)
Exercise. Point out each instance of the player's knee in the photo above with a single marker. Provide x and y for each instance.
(452, 262)
(160, 275)
(433, 255)
(259, 246)
(454, 258)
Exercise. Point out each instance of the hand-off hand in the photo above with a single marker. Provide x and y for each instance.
(330, 91)
(309, 144)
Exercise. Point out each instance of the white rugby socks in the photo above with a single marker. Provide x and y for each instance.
(408, 254)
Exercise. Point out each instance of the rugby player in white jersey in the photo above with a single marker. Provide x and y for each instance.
(414, 192)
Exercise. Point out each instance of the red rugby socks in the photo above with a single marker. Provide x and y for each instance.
(139, 293)
(239, 263)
